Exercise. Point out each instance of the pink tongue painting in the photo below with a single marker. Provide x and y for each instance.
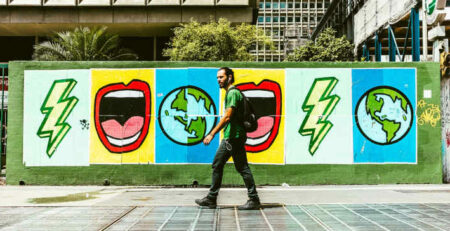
(130, 128)
(265, 124)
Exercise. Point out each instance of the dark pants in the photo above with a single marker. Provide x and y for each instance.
(232, 148)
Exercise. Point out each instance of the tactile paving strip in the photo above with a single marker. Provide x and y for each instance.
(291, 217)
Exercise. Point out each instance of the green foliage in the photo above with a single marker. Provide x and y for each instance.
(215, 41)
(326, 48)
(82, 44)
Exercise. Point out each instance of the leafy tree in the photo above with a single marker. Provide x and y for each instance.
(82, 44)
(326, 48)
(215, 41)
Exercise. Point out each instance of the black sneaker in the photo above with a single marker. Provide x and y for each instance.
(250, 205)
(207, 202)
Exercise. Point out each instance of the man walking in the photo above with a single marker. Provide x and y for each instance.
(232, 145)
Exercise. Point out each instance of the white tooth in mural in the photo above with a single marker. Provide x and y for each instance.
(257, 141)
(258, 93)
(123, 142)
(125, 94)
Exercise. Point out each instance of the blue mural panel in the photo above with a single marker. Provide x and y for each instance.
(384, 105)
(186, 103)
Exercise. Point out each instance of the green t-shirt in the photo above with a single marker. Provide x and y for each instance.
(235, 128)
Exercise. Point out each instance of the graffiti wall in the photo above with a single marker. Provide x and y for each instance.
(160, 116)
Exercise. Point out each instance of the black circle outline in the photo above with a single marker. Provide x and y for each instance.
(365, 94)
(162, 103)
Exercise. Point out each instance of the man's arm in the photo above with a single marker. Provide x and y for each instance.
(223, 121)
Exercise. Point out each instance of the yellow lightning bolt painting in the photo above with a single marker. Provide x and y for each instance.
(57, 107)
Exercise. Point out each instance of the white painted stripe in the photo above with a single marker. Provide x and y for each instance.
(295, 219)
(125, 94)
(237, 219)
(142, 217)
(316, 219)
(419, 220)
(167, 220)
(258, 94)
(333, 216)
(389, 215)
(123, 142)
(267, 221)
(426, 214)
(196, 219)
(435, 208)
(373, 222)
(216, 219)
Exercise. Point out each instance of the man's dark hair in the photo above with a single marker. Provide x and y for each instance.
(228, 72)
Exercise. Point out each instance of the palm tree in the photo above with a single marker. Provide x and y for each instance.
(82, 44)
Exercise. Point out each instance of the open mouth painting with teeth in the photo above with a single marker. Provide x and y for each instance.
(122, 115)
(266, 100)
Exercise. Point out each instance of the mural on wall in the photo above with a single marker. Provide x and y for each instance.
(431, 114)
(384, 108)
(52, 115)
(318, 113)
(56, 107)
(187, 112)
(122, 104)
(263, 87)
(318, 105)
(161, 116)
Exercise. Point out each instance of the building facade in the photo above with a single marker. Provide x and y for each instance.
(289, 22)
(143, 25)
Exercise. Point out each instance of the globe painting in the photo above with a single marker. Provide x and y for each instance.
(187, 115)
(384, 115)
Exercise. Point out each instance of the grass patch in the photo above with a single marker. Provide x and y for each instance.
(67, 198)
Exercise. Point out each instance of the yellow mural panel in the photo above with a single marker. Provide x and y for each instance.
(264, 88)
(122, 116)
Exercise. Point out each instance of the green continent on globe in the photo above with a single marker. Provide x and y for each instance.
(180, 102)
(390, 127)
(200, 95)
(197, 124)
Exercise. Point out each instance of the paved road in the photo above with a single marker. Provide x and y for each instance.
(391, 207)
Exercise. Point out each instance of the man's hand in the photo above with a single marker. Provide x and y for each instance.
(208, 139)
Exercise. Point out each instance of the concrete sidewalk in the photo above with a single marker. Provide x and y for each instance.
(157, 196)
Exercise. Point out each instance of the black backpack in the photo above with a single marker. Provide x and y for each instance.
(249, 121)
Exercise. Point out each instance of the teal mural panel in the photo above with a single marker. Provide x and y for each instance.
(56, 118)
(318, 116)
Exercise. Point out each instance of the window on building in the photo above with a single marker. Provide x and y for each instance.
(275, 59)
(282, 19)
(275, 19)
(319, 5)
(311, 5)
(275, 32)
(267, 4)
(297, 5)
(290, 5)
(311, 19)
(282, 5)
(260, 19)
(268, 19)
(305, 19)
(327, 4)
(275, 5)
(304, 5)
(281, 33)
(297, 19)
(261, 5)
(290, 19)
